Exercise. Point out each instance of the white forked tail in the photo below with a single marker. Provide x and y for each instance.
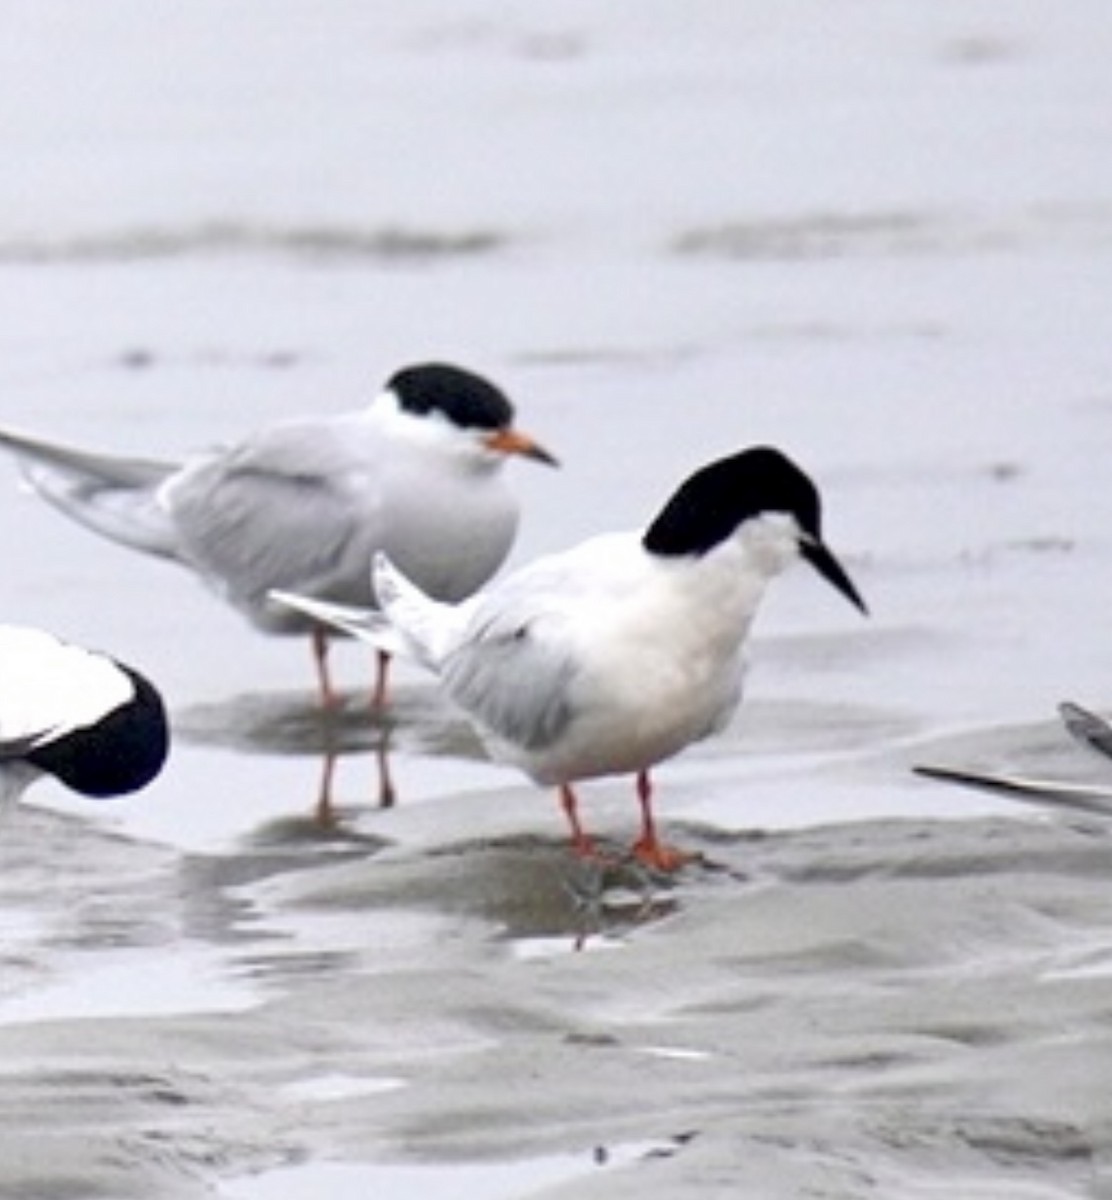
(409, 623)
(427, 627)
(363, 623)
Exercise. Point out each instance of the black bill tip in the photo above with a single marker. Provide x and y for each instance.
(816, 553)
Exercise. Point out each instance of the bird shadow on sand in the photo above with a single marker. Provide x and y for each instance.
(535, 892)
(532, 893)
(293, 724)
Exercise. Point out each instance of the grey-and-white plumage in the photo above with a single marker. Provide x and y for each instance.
(615, 655)
(303, 505)
(94, 723)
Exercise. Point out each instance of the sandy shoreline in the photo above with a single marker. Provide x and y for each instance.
(891, 1008)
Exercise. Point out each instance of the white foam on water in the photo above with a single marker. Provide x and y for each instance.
(127, 984)
(442, 1181)
(350, 1181)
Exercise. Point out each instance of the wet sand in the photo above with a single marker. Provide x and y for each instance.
(892, 1008)
(878, 239)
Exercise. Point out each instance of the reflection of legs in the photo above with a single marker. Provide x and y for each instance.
(382, 671)
(648, 848)
(325, 814)
(387, 795)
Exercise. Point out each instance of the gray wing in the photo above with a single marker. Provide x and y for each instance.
(515, 668)
(513, 676)
(292, 509)
(115, 497)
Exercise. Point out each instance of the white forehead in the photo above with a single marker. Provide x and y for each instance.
(47, 684)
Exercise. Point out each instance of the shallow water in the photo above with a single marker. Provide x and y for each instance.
(885, 250)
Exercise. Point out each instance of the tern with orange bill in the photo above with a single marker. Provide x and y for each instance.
(303, 504)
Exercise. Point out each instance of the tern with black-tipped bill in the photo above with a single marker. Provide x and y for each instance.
(303, 504)
(95, 724)
(615, 655)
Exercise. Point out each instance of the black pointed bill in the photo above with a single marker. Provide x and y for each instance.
(816, 553)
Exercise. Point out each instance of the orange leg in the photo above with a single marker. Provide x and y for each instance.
(648, 848)
(328, 697)
(581, 842)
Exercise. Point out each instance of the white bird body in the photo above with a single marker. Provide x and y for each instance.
(64, 710)
(615, 655)
(588, 663)
(302, 505)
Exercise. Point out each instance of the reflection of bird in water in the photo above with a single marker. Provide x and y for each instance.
(277, 725)
(615, 655)
(93, 723)
(387, 794)
(303, 504)
(419, 720)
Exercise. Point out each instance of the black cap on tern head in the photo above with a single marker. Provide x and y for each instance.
(464, 398)
(469, 402)
(709, 506)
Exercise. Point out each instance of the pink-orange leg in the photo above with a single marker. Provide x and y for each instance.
(328, 697)
(581, 842)
(648, 848)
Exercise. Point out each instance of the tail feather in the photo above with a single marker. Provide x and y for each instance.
(366, 624)
(115, 497)
(408, 623)
(426, 625)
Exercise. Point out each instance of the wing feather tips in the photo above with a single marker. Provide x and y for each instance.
(362, 623)
(513, 688)
(113, 496)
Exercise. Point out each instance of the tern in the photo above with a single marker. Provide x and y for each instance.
(617, 654)
(96, 725)
(303, 504)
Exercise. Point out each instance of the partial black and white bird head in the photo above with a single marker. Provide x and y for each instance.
(758, 494)
(462, 411)
(96, 725)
